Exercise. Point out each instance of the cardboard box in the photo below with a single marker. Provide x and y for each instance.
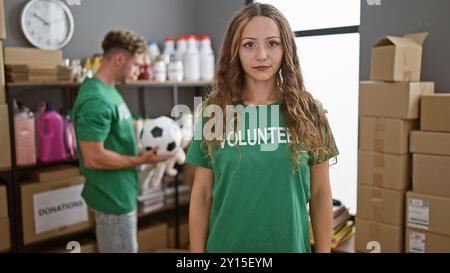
(53, 209)
(184, 236)
(385, 135)
(368, 233)
(397, 58)
(2, 76)
(381, 205)
(5, 145)
(385, 170)
(431, 174)
(32, 56)
(2, 21)
(435, 143)
(426, 212)
(421, 241)
(435, 113)
(392, 100)
(3, 202)
(5, 235)
(56, 173)
(152, 238)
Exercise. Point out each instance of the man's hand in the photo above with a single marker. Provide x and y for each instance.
(150, 157)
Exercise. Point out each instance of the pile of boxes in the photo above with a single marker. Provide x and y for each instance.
(428, 204)
(389, 111)
(5, 147)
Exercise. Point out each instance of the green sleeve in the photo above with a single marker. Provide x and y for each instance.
(322, 157)
(198, 151)
(93, 120)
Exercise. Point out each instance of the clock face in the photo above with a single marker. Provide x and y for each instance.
(47, 24)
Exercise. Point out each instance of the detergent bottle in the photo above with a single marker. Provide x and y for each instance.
(51, 136)
(24, 136)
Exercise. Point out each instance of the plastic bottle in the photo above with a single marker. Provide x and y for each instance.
(169, 49)
(159, 70)
(24, 125)
(192, 60)
(207, 62)
(51, 136)
(89, 73)
(96, 65)
(70, 138)
(181, 48)
(153, 50)
(176, 69)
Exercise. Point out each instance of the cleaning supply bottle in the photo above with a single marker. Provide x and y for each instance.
(153, 50)
(169, 49)
(24, 136)
(159, 70)
(70, 139)
(181, 48)
(206, 59)
(175, 69)
(88, 68)
(192, 59)
(51, 136)
(96, 65)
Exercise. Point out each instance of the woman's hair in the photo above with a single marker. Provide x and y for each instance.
(305, 118)
(123, 40)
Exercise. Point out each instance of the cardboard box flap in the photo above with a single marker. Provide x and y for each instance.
(419, 38)
(392, 40)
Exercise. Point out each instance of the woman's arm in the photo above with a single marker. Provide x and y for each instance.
(200, 208)
(321, 207)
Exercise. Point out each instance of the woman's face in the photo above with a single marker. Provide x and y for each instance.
(260, 49)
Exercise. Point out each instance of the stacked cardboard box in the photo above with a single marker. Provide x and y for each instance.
(53, 208)
(5, 235)
(5, 154)
(389, 110)
(428, 205)
(34, 65)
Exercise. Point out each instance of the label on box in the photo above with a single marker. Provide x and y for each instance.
(418, 213)
(59, 208)
(416, 242)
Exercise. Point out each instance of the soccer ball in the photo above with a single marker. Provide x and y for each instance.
(162, 132)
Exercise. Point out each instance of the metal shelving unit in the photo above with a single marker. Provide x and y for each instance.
(12, 176)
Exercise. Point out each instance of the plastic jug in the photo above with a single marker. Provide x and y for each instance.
(24, 137)
(51, 136)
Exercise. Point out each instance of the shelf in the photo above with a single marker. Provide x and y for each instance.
(127, 84)
(46, 165)
(163, 209)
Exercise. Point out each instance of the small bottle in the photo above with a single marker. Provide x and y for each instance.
(96, 65)
(192, 60)
(153, 50)
(181, 48)
(169, 49)
(207, 62)
(88, 68)
(159, 70)
(176, 72)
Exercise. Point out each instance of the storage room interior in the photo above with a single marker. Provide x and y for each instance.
(380, 69)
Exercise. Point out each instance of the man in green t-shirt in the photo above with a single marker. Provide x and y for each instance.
(107, 145)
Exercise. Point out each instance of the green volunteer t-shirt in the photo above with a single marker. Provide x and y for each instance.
(100, 114)
(259, 200)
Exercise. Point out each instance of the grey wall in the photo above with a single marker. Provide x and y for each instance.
(153, 19)
(398, 17)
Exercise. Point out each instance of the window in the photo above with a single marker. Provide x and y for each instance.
(328, 42)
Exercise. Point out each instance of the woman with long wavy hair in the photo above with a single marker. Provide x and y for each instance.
(253, 182)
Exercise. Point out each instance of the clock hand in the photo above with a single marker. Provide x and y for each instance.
(41, 19)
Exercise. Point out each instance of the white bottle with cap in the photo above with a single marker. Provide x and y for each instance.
(159, 70)
(181, 48)
(207, 62)
(192, 60)
(176, 72)
(153, 50)
(169, 49)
